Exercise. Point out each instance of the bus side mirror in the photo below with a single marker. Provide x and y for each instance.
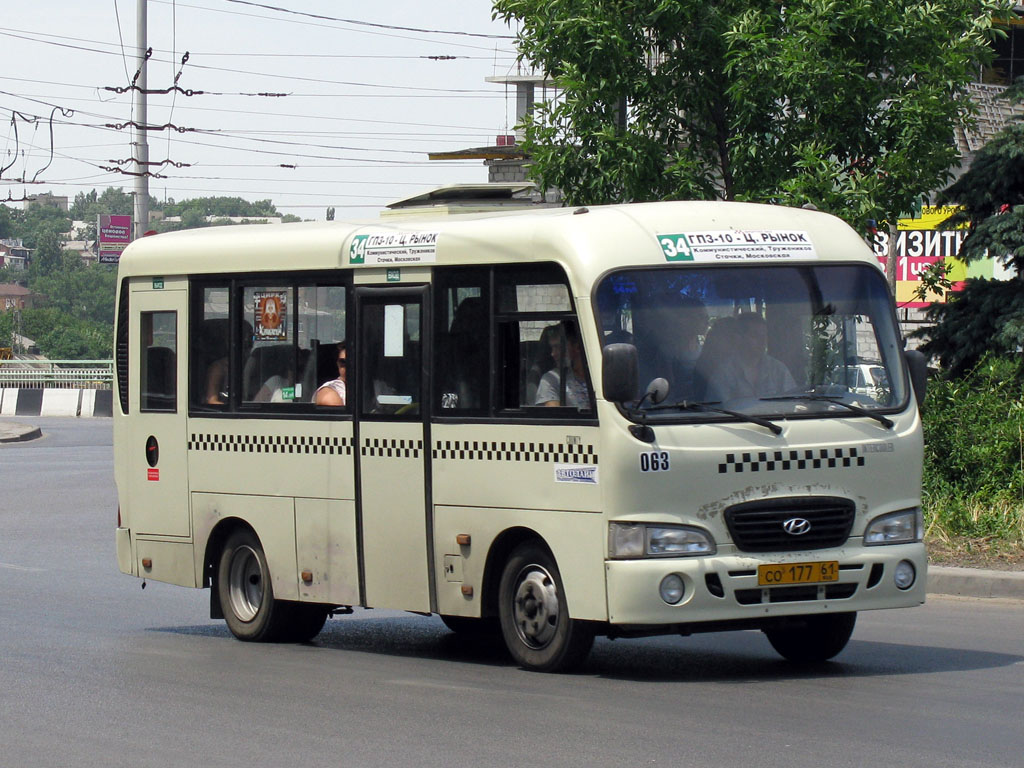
(619, 365)
(917, 364)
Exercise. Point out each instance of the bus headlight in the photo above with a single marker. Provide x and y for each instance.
(632, 540)
(900, 527)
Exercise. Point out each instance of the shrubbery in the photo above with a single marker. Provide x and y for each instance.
(974, 452)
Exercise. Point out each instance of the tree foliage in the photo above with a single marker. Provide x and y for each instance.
(974, 453)
(847, 105)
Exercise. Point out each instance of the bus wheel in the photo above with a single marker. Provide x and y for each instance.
(535, 619)
(307, 620)
(815, 639)
(246, 594)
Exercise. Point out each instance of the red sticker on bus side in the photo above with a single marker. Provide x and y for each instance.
(152, 474)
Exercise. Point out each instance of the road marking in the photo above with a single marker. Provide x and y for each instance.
(14, 567)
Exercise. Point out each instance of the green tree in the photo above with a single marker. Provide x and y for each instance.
(987, 316)
(6, 223)
(6, 329)
(48, 256)
(36, 223)
(847, 105)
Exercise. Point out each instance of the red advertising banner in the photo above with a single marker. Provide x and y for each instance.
(113, 234)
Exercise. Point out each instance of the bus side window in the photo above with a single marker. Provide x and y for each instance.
(541, 358)
(158, 379)
(462, 349)
(209, 334)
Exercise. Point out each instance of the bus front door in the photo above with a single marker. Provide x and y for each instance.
(394, 514)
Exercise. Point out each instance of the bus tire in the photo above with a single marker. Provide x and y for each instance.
(307, 619)
(246, 593)
(815, 639)
(534, 614)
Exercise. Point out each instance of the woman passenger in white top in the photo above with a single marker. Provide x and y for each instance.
(334, 392)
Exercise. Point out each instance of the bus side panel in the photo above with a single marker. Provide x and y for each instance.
(577, 540)
(325, 539)
(271, 457)
(273, 520)
(169, 561)
(488, 478)
(526, 466)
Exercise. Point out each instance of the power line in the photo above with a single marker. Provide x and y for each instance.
(90, 46)
(371, 24)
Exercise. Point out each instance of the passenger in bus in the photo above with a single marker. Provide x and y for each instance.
(542, 361)
(335, 391)
(281, 387)
(465, 349)
(747, 370)
(216, 382)
(577, 394)
(668, 339)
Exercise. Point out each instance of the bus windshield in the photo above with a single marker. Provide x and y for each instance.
(780, 341)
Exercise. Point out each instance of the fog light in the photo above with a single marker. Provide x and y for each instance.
(905, 574)
(672, 589)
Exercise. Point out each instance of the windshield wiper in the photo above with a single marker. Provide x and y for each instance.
(887, 423)
(710, 407)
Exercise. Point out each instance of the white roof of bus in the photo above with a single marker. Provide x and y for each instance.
(590, 241)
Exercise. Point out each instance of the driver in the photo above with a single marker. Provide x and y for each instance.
(749, 371)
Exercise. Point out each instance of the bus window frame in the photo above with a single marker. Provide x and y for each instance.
(499, 277)
(236, 285)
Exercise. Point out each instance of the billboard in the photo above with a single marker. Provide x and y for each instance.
(919, 244)
(113, 233)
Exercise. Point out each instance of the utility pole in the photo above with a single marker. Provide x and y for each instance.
(141, 153)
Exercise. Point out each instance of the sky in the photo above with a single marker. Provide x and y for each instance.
(359, 98)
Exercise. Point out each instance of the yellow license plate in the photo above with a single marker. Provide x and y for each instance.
(798, 573)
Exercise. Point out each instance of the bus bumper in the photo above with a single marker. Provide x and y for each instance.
(725, 587)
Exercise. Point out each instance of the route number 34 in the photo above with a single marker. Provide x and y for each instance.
(654, 461)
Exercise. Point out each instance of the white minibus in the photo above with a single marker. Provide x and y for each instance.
(544, 425)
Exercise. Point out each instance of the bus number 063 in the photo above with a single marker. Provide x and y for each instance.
(654, 461)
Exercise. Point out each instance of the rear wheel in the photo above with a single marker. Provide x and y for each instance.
(534, 613)
(814, 639)
(307, 619)
(246, 593)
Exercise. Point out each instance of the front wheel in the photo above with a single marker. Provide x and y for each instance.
(246, 594)
(814, 639)
(535, 620)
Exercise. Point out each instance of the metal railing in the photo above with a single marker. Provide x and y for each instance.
(56, 374)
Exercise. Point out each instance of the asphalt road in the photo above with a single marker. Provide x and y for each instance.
(95, 671)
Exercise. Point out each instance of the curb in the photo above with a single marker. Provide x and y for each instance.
(85, 403)
(14, 433)
(975, 582)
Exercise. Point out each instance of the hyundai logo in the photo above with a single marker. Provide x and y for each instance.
(796, 526)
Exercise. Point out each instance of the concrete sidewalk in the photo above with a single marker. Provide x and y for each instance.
(10, 432)
(942, 580)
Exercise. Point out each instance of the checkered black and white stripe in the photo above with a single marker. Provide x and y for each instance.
(482, 450)
(383, 447)
(335, 446)
(771, 461)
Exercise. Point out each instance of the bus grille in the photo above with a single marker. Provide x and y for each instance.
(761, 526)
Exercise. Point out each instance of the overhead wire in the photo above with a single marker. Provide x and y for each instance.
(279, 147)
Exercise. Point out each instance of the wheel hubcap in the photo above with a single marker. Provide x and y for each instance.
(245, 583)
(535, 606)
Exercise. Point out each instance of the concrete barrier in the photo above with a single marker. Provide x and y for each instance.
(86, 403)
